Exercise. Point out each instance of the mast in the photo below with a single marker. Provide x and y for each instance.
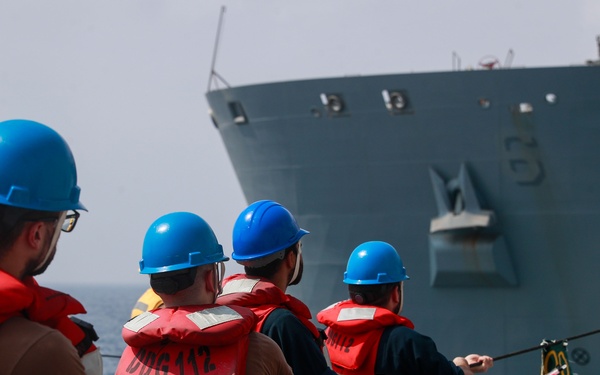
(213, 74)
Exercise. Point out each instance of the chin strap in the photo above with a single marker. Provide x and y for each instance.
(297, 267)
(54, 240)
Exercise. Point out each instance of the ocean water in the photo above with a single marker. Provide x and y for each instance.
(108, 308)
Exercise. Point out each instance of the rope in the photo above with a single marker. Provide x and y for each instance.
(110, 355)
(541, 346)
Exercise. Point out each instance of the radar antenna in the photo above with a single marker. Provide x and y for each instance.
(489, 62)
(455, 61)
(509, 58)
(595, 62)
(214, 76)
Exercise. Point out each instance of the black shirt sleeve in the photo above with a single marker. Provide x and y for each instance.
(296, 342)
(404, 351)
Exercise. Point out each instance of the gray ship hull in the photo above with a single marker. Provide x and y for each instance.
(486, 182)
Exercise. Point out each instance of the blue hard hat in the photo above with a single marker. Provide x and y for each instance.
(264, 228)
(177, 241)
(37, 169)
(374, 262)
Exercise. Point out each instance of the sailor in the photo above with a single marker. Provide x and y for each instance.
(191, 334)
(266, 241)
(365, 333)
(39, 198)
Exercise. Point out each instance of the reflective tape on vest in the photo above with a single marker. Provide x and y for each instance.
(356, 313)
(239, 286)
(140, 321)
(213, 316)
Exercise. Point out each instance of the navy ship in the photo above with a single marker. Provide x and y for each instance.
(486, 181)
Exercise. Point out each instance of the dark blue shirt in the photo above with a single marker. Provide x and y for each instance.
(404, 351)
(297, 343)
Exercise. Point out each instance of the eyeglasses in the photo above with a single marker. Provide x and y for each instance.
(68, 223)
(70, 220)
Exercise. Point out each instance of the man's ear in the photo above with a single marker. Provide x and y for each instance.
(209, 281)
(290, 259)
(396, 294)
(34, 234)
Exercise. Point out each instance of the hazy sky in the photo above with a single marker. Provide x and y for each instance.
(124, 83)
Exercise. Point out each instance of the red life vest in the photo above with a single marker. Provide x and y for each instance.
(262, 297)
(42, 305)
(353, 333)
(187, 340)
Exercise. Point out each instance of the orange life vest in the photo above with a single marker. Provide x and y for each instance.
(262, 297)
(187, 340)
(353, 335)
(45, 306)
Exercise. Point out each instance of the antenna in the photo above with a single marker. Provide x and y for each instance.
(455, 61)
(509, 58)
(595, 62)
(213, 73)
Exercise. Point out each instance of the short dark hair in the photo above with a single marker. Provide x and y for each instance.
(376, 295)
(267, 271)
(12, 221)
(172, 282)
